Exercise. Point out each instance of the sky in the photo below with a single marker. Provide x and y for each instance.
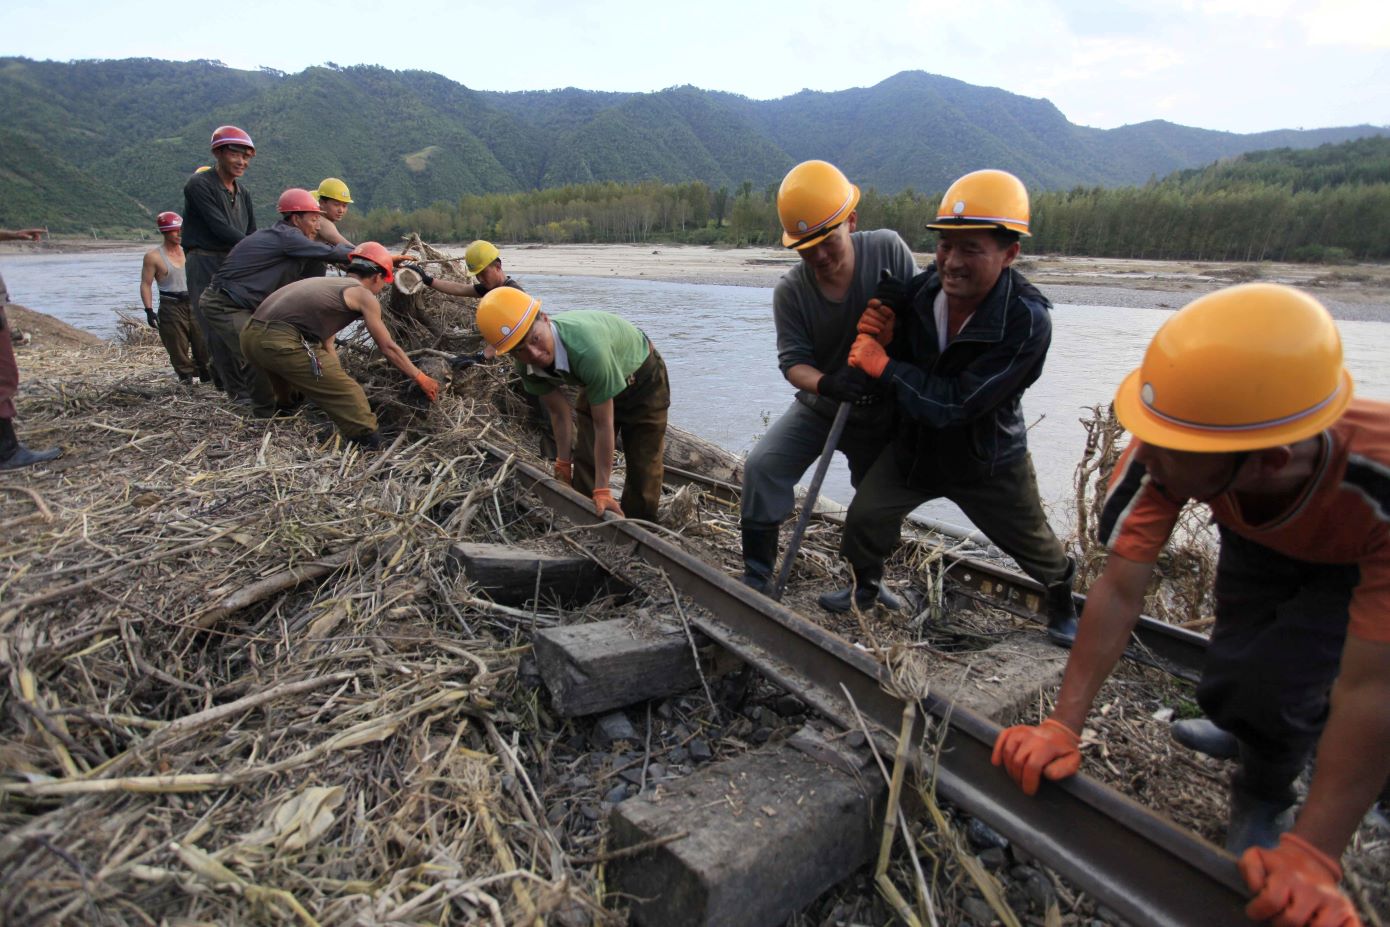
(1235, 65)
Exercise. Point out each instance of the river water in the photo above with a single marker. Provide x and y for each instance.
(719, 347)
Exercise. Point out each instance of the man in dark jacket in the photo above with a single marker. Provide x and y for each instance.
(259, 265)
(217, 214)
(970, 337)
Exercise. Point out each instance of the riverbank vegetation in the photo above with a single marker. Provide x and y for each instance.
(1327, 204)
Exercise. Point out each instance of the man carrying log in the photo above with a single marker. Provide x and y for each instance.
(290, 342)
(815, 308)
(1242, 403)
(165, 266)
(217, 214)
(259, 265)
(958, 349)
(14, 455)
(623, 389)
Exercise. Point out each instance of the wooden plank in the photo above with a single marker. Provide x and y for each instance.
(509, 575)
(596, 667)
(767, 833)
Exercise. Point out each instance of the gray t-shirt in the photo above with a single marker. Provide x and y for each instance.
(813, 330)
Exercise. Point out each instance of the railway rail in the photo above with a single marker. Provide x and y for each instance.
(1139, 864)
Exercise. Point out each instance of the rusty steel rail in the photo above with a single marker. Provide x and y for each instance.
(1168, 647)
(1139, 864)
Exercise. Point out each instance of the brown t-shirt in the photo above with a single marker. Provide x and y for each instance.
(316, 307)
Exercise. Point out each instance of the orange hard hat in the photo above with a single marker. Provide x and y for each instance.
(505, 315)
(297, 199)
(168, 221)
(375, 254)
(984, 199)
(231, 135)
(815, 198)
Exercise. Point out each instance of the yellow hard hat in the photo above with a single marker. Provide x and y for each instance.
(1244, 368)
(203, 169)
(988, 199)
(505, 315)
(331, 188)
(479, 255)
(814, 199)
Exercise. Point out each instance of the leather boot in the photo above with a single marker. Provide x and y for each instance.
(1203, 736)
(1256, 821)
(759, 556)
(1059, 607)
(14, 455)
(866, 591)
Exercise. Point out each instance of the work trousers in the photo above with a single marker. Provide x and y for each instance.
(9, 367)
(188, 352)
(1005, 506)
(200, 266)
(225, 320)
(788, 449)
(287, 360)
(1274, 654)
(639, 418)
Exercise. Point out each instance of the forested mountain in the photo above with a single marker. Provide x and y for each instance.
(108, 143)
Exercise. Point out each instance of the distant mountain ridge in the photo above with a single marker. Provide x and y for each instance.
(107, 144)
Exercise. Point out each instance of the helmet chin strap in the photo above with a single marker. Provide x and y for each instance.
(1240, 458)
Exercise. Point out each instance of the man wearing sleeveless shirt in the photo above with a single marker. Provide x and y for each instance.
(289, 344)
(165, 266)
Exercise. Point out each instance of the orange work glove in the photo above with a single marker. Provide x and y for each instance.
(428, 385)
(603, 502)
(564, 471)
(1050, 749)
(1295, 884)
(877, 321)
(868, 355)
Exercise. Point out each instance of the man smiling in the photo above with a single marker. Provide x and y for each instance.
(971, 338)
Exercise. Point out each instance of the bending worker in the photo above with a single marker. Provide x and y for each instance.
(290, 341)
(217, 214)
(969, 336)
(259, 265)
(1242, 403)
(815, 308)
(623, 389)
(166, 267)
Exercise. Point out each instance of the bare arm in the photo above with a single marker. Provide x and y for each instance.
(453, 287)
(1354, 751)
(363, 301)
(604, 443)
(149, 273)
(804, 376)
(328, 233)
(1113, 605)
(560, 422)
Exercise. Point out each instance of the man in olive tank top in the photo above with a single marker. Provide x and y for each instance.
(289, 344)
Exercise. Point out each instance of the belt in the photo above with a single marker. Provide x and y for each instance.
(286, 326)
(173, 297)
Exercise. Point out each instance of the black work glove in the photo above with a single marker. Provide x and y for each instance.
(152, 318)
(419, 269)
(892, 292)
(848, 384)
(464, 361)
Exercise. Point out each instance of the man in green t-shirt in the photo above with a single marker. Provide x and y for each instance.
(623, 389)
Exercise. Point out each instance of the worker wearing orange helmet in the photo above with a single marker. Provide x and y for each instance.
(1242, 403)
(259, 265)
(959, 348)
(623, 389)
(166, 268)
(815, 307)
(289, 342)
(217, 214)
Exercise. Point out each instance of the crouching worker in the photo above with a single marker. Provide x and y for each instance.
(623, 389)
(289, 343)
(1242, 403)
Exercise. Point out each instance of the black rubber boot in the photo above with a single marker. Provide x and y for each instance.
(864, 594)
(1256, 821)
(371, 441)
(14, 455)
(1059, 607)
(759, 556)
(1203, 736)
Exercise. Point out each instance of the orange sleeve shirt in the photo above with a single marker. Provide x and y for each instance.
(1343, 515)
